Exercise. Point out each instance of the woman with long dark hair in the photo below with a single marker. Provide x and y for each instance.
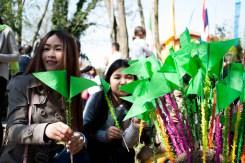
(107, 142)
(36, 113)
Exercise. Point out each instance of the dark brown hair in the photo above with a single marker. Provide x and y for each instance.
(70, 52)
(139, 31)
(114, 66)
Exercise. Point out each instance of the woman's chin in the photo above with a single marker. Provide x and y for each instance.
(122, 94)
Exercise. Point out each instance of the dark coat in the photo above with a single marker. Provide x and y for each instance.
(44, 110)
(95, 118)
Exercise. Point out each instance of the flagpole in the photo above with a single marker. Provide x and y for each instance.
(173, 22)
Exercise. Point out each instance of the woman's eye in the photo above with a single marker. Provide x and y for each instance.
(130, 77)
(45, 49)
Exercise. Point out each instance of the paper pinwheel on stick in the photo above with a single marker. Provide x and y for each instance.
(228, 90)
(202, 62)
(142, 91)
(57, 80)
(146, 93)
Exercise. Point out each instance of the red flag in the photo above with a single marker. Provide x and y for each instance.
(205, 22)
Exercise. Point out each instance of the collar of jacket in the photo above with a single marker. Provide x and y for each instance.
(34, 82)
(37, 98)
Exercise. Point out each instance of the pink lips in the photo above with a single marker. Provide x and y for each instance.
(51, 62)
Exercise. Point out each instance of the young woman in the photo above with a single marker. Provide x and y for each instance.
(106, 142)
(56, 51)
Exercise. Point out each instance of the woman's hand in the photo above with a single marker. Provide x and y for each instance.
(114, 133)
(58, 131)
(76, 143)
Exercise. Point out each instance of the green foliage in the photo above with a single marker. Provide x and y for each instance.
(78, 23)
(60, 11)
(11, 13)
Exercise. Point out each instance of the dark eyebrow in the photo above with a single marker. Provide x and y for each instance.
(54, 45)
(117, 75)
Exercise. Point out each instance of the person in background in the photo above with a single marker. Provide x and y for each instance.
(8, 54)
(106, 142)
(21, 50)
(37, 114)
(139, 47)
(115, 55)
(25, 58)
(90, 73)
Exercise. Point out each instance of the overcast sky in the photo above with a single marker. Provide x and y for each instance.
(188, 13)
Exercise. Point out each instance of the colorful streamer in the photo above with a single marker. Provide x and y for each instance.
(218, 139)
(163, 135)
(234, 145)
(225, 136)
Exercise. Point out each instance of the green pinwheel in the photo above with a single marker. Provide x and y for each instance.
(150, 85)
(231, 87)
(57, 80)
(171, 71)
(198, 60)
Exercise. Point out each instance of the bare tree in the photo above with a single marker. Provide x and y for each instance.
(155, 28)
(113, 23)
(78, 23)
(123, 33)
(142, 18)
(40, 23)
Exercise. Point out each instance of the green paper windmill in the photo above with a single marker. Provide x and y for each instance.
(231, 87)
(171, 71)
(150, 85)
(181, 62)
(57, 81)
(199, 60)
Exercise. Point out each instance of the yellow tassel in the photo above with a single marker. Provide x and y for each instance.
(164, 137)
(140, 129)
(210, 134)
(233, 152)
(204, 133)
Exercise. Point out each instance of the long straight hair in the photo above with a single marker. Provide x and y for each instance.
(70, 52)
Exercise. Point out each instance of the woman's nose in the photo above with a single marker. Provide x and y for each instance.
(51, 53)
(123, 81)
